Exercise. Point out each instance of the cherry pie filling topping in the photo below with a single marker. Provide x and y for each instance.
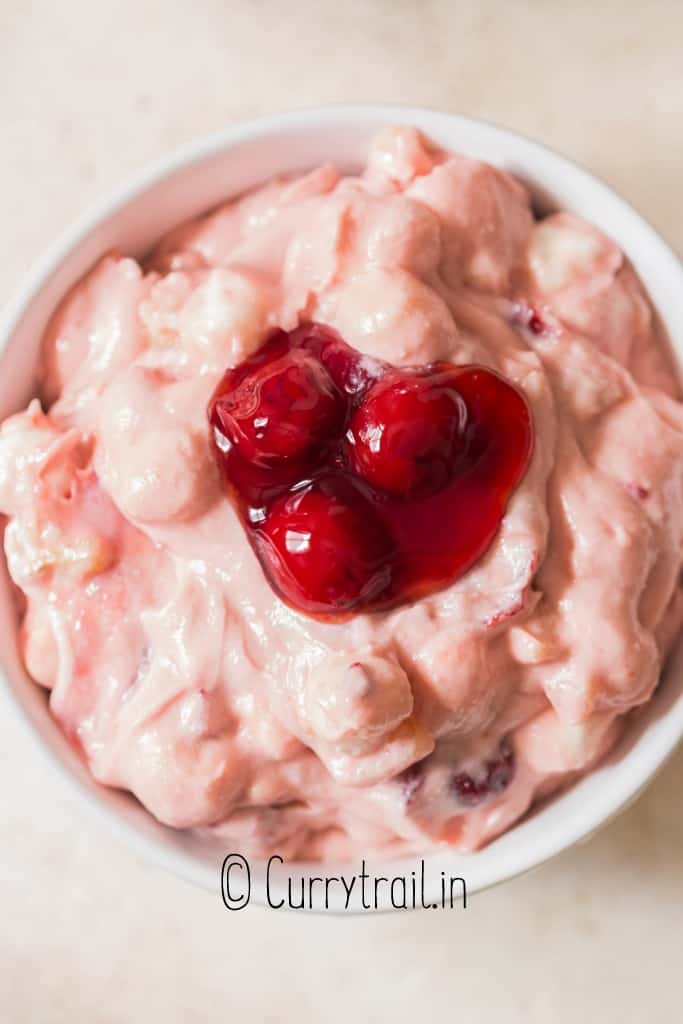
(362, 485)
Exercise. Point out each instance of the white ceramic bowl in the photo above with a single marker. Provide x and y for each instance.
(197, 179)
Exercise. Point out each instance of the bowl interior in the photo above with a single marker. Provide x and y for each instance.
(194, 182)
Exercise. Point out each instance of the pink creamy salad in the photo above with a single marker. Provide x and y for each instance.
(170, 661)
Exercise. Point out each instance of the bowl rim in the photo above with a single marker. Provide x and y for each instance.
(606, 803)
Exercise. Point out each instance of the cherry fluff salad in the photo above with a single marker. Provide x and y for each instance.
(350, 521)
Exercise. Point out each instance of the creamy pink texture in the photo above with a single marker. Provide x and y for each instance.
(171, 662)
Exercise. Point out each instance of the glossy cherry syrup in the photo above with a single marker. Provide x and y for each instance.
(361, 485)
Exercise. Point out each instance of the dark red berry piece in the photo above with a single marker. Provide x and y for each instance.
(488, 781)
(287, 409)
(411, 779)
(323, 548)
(409, 433)
(536, 323)
(637, 491)
(529, 318)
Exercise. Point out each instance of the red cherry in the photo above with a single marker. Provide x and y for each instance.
(490, 779)
(324, 549)
(409, 433)
(287, 409)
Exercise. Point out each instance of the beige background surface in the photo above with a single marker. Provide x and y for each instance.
(88, 93)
